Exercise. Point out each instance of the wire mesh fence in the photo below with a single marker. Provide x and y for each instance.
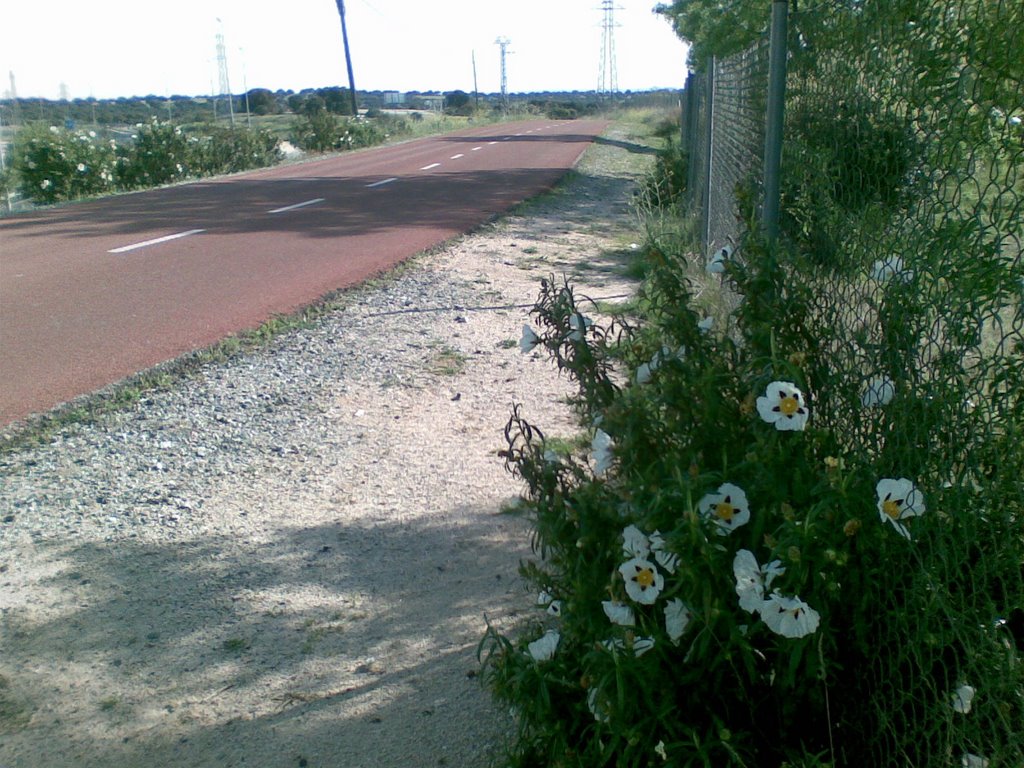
(900, 237)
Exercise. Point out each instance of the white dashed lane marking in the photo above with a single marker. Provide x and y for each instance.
(143, 244)
(428, 167)
(382, 182)
(297, 205)
(455, 157)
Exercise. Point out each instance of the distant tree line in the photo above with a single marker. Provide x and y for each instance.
(311, 101)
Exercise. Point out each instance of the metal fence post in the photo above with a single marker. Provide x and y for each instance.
(709, 148)
(773, 119)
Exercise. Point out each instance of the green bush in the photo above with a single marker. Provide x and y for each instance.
(230, 150)
(54, 165)
(773, 555)
(665, 185)
(159, 153)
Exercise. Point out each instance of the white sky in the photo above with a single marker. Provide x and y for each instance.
(110, 48)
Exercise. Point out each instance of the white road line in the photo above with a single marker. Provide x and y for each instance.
(125, 248)
(476, 149)
(297, 205)
(382, 182)
(428, 167)
(491, 142)
(455, 157)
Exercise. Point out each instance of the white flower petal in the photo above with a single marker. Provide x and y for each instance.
(529, 340)
(749, 580)
(877, 392)
(601, 446)
(969, 760)
(635, 542)
(642, 645)
(543, 648)
(789, 616)
(619, 613)
(962, 698)
(677, 616)
(597, 702)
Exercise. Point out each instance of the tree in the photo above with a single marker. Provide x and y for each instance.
(456, 103)
(716, 28)
(262, 102)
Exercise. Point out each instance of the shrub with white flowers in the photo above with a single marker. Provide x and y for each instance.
(745, 537)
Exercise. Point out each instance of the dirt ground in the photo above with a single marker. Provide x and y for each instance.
(287, 559)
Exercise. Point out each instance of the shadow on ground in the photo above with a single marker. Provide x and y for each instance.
(310, 646)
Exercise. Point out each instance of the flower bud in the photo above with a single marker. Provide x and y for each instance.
(851, 527)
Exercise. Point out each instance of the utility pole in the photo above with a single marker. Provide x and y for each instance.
(476, 91)
(504, 42)
(348, 58)
(607, 78)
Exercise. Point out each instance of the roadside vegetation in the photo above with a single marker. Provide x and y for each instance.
(794, 536)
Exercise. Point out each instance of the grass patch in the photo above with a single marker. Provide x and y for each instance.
(447, 362)
(14, 713)
(236, 645)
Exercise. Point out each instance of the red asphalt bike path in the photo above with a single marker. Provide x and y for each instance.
(75, 317)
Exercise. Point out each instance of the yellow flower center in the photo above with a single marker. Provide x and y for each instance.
(644, 577)
(891, 508)
(724, 510)
(789, 405)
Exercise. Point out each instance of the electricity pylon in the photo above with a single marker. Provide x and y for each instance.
(608, 78)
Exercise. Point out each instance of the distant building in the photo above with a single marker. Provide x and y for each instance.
(394, 99)
(431, 101)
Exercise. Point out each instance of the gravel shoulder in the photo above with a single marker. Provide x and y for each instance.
(286, 559)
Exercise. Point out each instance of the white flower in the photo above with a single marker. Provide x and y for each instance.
(555, 608)
(659, 750)
(643, 582)
(784, 406)
(973, 761)
(529, 340)
(637, 544)
(677, 616)
(716, 264)
(706, 324)
(81, 167)
(619, 613)
(579, 324)
(642, 645)
(878, 391)
(961, 699)
(899, 500)
(597, 702)
(646, 370)
(92, 134)
(45, 184)
(634, 542)
(667, 560)
(601, 446)
(543, 648)
(727, 508)
(891, 268)
(54, 129)
(752, 580)
(789, 616)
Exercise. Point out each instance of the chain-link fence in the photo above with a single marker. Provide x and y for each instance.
(899, 243)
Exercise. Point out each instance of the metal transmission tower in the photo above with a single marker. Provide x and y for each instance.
(222, 69)
(608, 78)
(504, 42)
